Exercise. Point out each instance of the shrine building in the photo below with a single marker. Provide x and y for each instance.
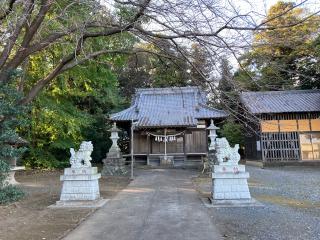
(169, 125)
(284, 126)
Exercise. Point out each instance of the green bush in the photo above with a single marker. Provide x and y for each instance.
(8, 192)
(233, 132)
(12, 117)
(38, 158)
(4, 170)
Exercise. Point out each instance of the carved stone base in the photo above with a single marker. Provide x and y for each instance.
(80, 204)
(114, 167)
(230, 183)
(233, 203)
(80, 184)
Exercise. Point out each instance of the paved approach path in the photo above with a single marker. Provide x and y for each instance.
(159, 204)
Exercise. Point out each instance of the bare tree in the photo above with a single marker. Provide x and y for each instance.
(219, 27)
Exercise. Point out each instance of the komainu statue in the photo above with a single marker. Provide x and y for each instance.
(82, 157)
(229, 178)
(225, 154)
(80, 182)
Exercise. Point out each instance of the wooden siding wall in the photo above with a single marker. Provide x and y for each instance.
(196, 142)
(172, 147)
(140, 143)
(280, 134)
(296, 125)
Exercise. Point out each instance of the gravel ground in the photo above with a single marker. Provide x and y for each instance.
(291, 199)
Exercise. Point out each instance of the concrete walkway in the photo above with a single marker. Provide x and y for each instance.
(159, 204)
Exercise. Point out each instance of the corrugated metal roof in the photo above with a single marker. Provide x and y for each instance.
(168, 107)
(282, 101)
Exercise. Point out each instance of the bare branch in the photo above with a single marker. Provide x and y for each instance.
(63, 65)
(8, 10)
(15, 34)
(24, 49)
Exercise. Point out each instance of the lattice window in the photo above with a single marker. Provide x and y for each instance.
(282, 146)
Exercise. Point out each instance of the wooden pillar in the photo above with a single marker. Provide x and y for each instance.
(184, 147)
(165, 144)
(148, 149)
(207, 142)
(263, 143)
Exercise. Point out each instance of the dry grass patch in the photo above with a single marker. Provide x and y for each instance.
(284, 201)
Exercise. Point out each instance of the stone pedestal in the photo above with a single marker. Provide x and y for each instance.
(230, 183)
(80, 188)
(114, 166)
(114, 163)
(80, 184)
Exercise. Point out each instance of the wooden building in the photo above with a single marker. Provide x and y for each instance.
(170, 124)
(287, 125)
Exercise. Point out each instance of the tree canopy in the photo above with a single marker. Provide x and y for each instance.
(285, 58)
(75, 62)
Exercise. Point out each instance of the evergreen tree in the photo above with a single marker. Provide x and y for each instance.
(280, 56)
(308, 67)
(228, 92)
(201, 64)
(144, 70)
(11, 118)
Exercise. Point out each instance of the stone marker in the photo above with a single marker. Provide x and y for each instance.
(81, 181)
(229, 179)
(114, 163)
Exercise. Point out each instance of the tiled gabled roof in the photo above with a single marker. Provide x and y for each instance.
(156, 107)
(282, 101)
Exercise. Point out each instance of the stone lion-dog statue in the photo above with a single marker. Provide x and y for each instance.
(82, 157)
(225, 154)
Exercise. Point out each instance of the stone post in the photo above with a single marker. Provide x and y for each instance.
(114, 163)
(212, 135)
(212, 152)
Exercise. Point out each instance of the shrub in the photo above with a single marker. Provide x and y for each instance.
(12, 117)
(8, 192)
(233, 132)
(4, 170)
